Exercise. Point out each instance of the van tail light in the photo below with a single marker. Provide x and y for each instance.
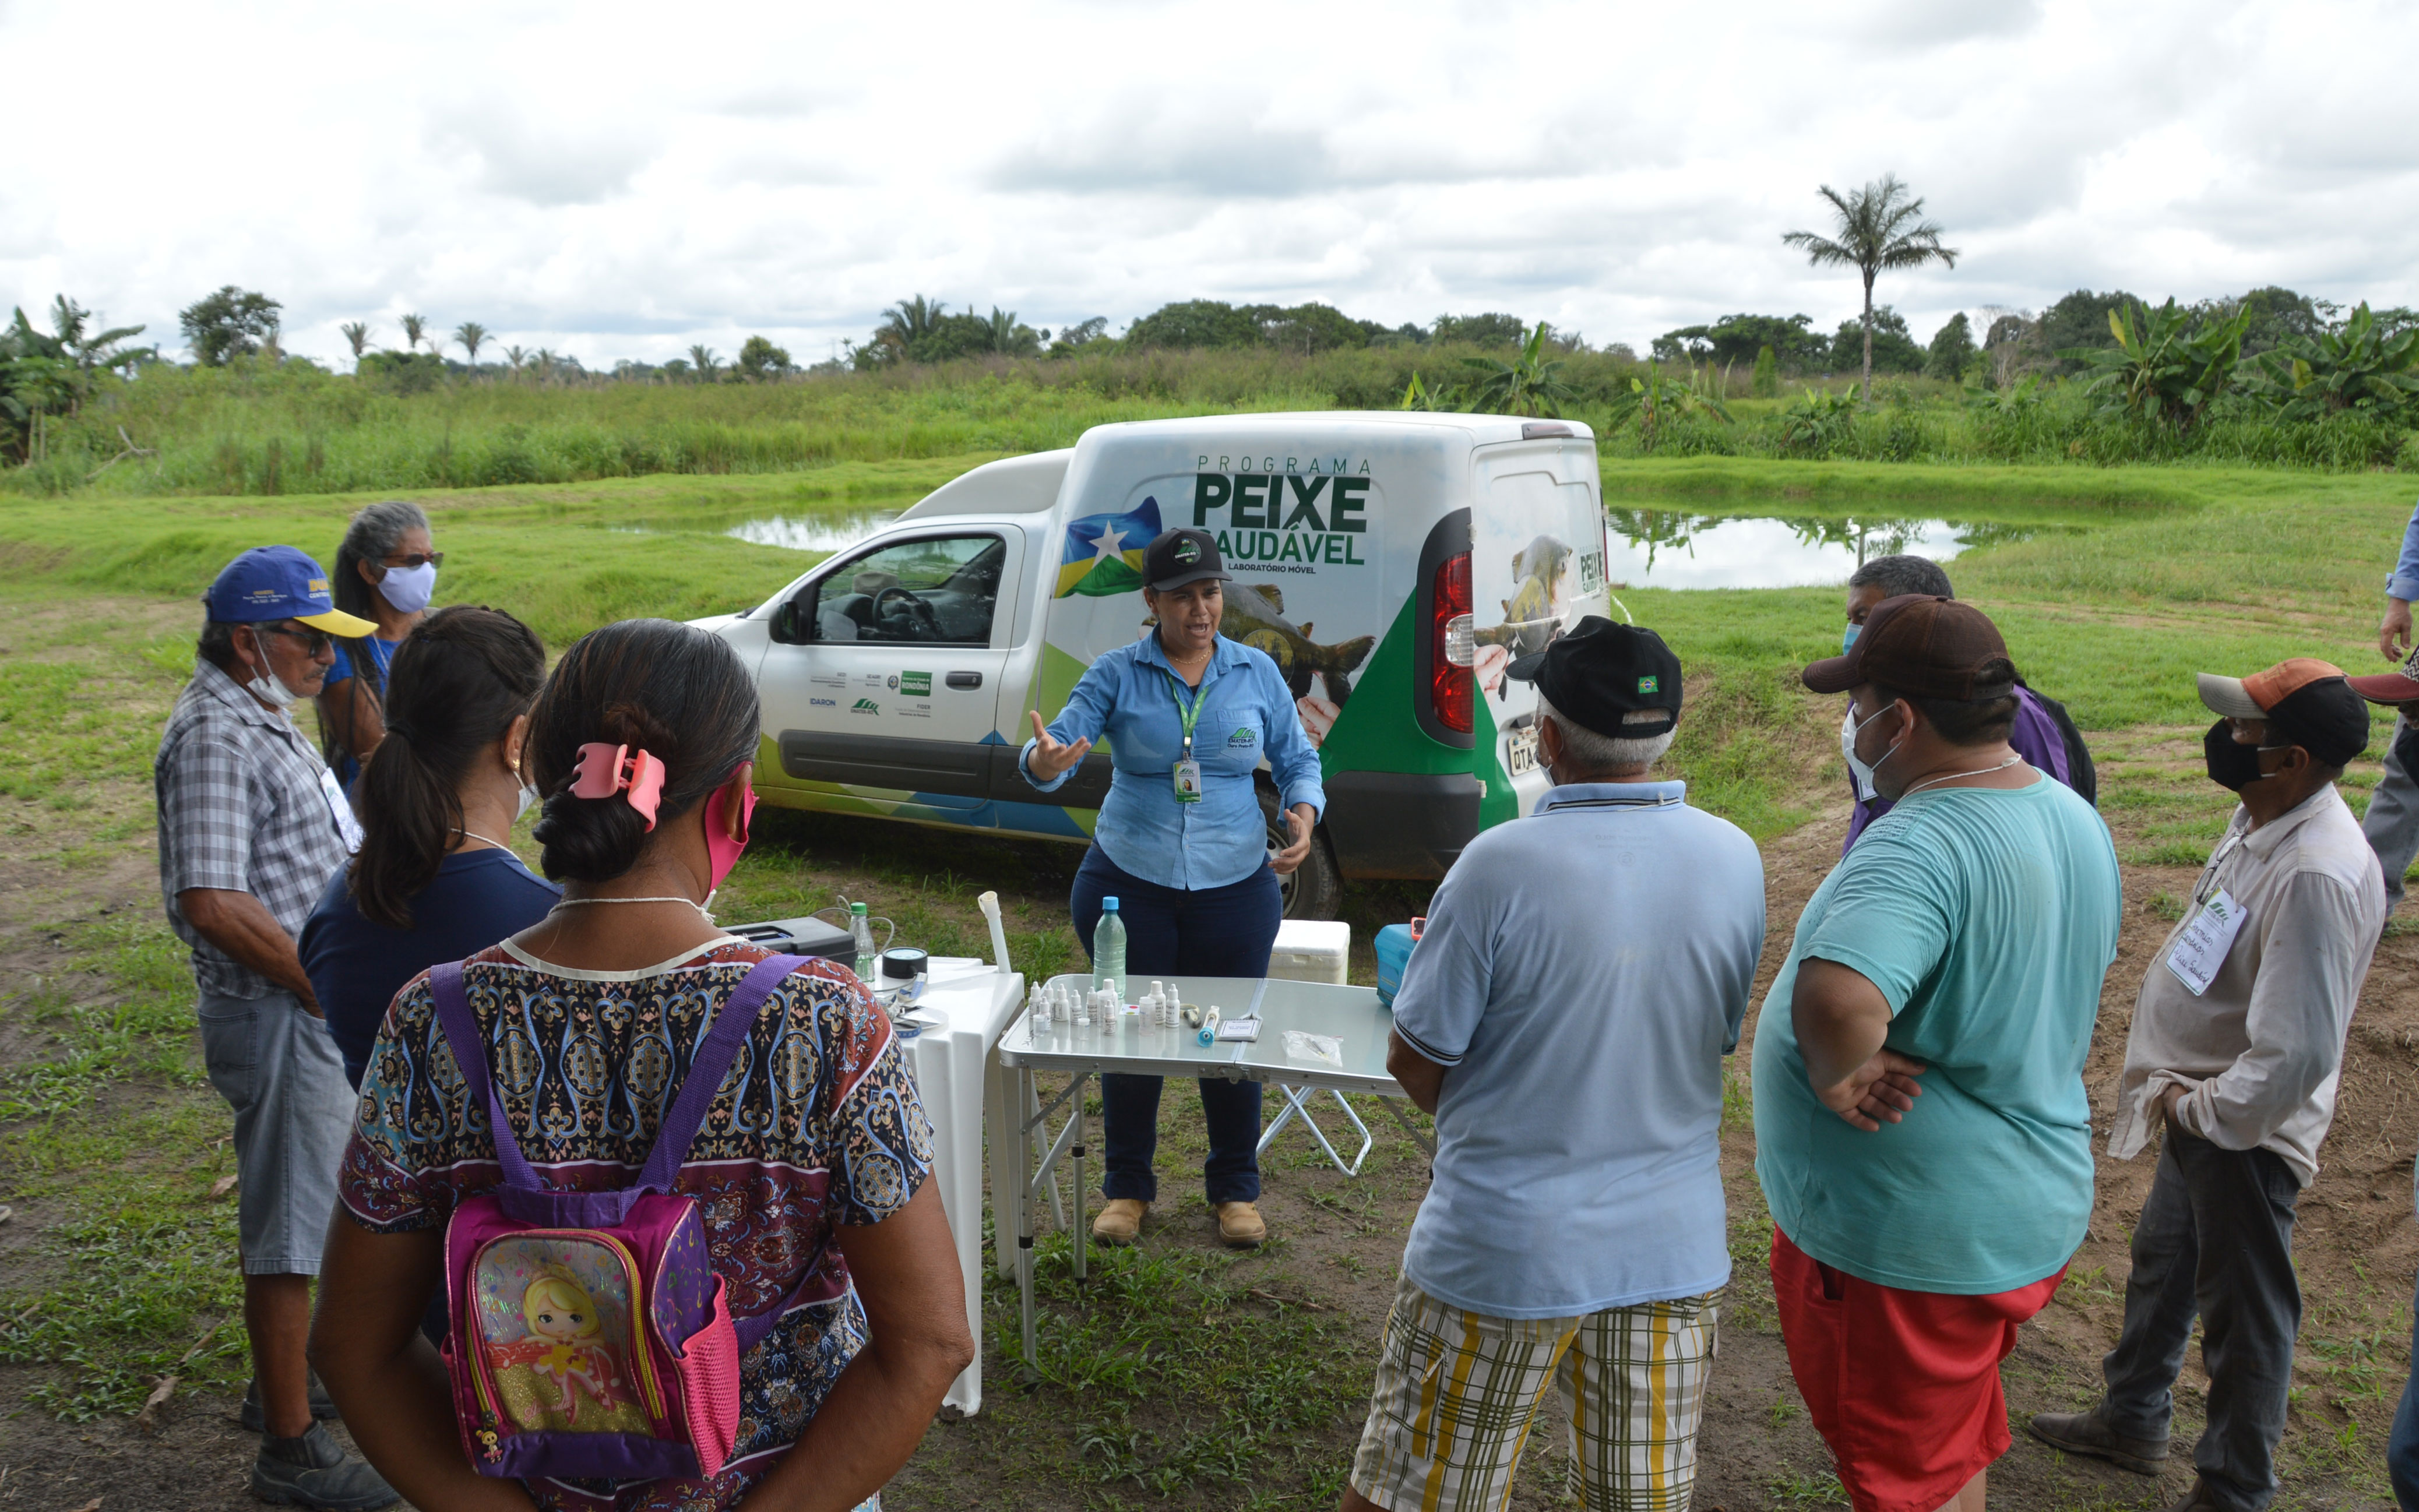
(1451, 649)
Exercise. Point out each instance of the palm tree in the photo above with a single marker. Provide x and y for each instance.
(357, 335)
(707, 361)
(413, 328)
(516, 355)
(469, 334)
(1879, 226)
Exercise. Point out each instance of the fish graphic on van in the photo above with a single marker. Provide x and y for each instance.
(1534, 615)
(1254, 615)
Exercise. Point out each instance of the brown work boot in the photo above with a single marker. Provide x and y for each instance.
(1240, 1225)
(1120, 1222)
(2085, 1433)
(2200, 1499)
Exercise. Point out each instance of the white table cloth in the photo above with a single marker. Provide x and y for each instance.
(953, 1067)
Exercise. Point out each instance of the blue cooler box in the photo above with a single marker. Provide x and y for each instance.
(1396, 942)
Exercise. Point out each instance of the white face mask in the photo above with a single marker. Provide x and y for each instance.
(410, 589)
(1849, 729)
(270, 689)
(529, 797)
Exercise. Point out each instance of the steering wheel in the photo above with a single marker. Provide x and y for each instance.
(916, 608)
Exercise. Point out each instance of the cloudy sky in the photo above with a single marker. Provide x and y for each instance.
(618, 180)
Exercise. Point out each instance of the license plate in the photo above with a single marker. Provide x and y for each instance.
(1520, 750)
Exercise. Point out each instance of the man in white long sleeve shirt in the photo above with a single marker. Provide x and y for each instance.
(2236, 1046)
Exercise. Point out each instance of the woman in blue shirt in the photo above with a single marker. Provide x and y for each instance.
(433, 880)
(386, 573)
(1182, 846)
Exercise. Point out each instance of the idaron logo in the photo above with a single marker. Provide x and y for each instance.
(865, 706)
(1188, 550)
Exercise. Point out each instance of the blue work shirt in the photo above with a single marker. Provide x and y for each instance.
(341, 670)
(1582, 973)
(1247, 712)
(2403, 584)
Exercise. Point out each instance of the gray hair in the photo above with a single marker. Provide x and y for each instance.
(375, 533)
(1900, 574)
(1608, 753)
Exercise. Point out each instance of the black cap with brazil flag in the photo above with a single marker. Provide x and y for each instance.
(1600, 673)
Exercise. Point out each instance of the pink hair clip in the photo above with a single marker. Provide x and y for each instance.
(605, 770)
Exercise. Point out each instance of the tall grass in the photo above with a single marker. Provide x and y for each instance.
(249, 429)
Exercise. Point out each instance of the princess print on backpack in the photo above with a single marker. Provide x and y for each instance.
(563, 1374)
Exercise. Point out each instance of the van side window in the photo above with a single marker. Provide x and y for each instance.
(937, 592)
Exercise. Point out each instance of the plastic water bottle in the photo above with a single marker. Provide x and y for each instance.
(1109, 952)
(861, 930)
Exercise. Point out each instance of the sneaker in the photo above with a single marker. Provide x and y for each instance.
(1240, 1225)
(314, 1471)
(323, 1407)
(2085, 1433)
(1120, 1222)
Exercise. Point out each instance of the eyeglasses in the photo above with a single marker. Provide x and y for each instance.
(313, 641)
(416, 560)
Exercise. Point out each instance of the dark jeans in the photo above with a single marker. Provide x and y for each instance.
(2215, 1238)
(1172, 934)
(2403, 1449)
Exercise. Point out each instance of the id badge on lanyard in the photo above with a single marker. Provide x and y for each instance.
(1187, 773)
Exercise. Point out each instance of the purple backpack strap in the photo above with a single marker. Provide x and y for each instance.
(470, 1049)
(708, 1067)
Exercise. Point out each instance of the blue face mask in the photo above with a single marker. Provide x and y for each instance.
(1848, 638)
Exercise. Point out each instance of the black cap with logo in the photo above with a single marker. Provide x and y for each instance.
(1600, 672)
(1181, 556)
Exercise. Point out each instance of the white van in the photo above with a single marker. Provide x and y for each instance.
(1390, 564)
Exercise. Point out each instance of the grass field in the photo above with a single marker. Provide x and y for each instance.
(1187, 1377)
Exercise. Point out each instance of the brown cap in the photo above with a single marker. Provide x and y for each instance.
(2392, 687)
(1917, 643)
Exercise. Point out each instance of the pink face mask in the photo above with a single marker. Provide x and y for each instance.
(722, 853)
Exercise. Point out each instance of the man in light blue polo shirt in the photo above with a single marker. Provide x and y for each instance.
(1564, 1018)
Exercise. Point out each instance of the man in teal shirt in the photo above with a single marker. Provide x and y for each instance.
(1922, 1133)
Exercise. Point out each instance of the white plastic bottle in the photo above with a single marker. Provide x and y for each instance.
(1042, 1003)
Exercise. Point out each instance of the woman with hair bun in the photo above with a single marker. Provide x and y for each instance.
(809, 1169)
(433, 880)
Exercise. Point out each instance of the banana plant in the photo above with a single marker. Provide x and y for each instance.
(1820, 423)
(2357, 368)
(1655, 400)
(1431, 398)
(1527, 385)
(2163, 371)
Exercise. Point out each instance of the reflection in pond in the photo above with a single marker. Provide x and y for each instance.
(1670, 549)
(812, 532)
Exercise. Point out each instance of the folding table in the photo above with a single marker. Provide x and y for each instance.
(1350, 1015)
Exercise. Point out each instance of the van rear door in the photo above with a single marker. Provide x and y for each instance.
(1537, 567)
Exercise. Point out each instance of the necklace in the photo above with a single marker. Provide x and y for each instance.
(1952, 776)
(472, 834)
(574, 902)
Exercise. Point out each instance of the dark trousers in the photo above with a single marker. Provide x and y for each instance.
(2216, 1239)
(1172, 934)
(2402, 1449)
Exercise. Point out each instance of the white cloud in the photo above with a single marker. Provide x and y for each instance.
(599, 180)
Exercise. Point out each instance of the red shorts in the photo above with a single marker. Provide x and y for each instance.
(1903, 1385)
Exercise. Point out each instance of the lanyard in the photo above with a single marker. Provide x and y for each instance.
(2209, 886)
(1189, 717)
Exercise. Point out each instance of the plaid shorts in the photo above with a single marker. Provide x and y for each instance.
(1457, 1392)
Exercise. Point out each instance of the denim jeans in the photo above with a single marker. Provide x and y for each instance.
(2216, 1239)
(1172, 934)
(2402, 1449)
(2391, 823)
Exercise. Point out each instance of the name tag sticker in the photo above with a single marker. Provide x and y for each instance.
(2201, 946)
(347, 827)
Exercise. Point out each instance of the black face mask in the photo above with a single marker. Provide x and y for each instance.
(2231, 764)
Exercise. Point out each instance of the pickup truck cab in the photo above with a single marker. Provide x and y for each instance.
(1390, 564)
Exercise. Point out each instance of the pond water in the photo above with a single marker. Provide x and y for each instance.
(1674, 548)
(812, 532)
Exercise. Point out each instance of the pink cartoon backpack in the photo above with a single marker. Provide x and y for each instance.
(588, 1334)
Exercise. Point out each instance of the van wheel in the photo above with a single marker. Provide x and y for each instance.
(1315, 889)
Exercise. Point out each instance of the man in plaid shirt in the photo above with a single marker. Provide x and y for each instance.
(252, 826)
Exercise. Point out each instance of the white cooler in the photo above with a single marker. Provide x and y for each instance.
(1312, 950)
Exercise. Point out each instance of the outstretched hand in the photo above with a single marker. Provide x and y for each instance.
(1050, 757)
(1877, 1092)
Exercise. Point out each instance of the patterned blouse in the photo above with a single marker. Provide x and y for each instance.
(818, 1124)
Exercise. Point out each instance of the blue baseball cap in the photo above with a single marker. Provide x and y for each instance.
(278, 582)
